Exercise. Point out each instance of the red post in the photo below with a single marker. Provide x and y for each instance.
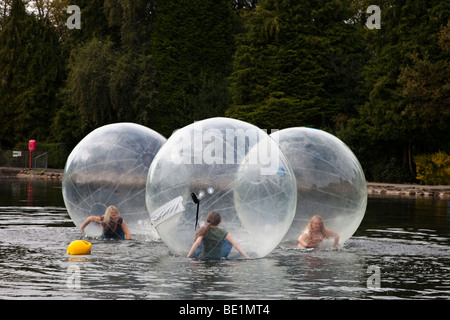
(31, 147)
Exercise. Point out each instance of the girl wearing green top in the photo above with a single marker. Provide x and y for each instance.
(212, 238)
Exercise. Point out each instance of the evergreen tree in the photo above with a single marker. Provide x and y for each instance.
(30, 75)
(298, 63)
(425, 94)
(134, 20)
(393, 127)
(111, 78)
(94, 23)
(192, 45)
(132, 89)
(86, 94)
(73, 120)
(132, 81)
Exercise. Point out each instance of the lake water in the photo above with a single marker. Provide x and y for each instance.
(400, 251)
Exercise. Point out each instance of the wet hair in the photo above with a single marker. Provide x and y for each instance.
(212, 219)
(324, 231)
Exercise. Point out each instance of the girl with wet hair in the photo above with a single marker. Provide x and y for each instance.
(314, 233)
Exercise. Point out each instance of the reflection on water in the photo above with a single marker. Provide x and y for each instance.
(408, 239)
(31, 192)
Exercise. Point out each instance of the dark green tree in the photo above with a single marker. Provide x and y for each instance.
(31, 71)
(393, 120)
(298, 63)
(132, 81)
(111, 78)
(132, 89)
(73, 118)
(86, 94)
(94, 23)
(134, 20)
(192, 46)
(425, 93)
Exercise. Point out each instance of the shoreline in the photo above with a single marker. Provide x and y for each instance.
(24, 173)
(374, 189)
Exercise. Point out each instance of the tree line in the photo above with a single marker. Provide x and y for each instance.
(274, 63)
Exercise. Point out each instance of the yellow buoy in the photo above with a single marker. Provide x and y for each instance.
(79, 247)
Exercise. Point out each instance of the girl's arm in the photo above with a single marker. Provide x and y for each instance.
(89, 220)
(237, 246)
(195, 246)
(303, 241)
(125, 229)
(336, 241)
(335, 236)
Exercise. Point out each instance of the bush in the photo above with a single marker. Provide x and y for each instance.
(390, 171)
(433, 168)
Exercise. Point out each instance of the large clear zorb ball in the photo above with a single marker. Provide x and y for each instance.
(228, 166)
(110, 167)
(330, 181)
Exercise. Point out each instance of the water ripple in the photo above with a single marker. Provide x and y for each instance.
(413, 264)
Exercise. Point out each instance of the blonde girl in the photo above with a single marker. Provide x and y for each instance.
(114, 226)
(314, 233)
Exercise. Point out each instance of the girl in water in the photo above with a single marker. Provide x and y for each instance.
(212, 239)
(314, 234)
(114, 227)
